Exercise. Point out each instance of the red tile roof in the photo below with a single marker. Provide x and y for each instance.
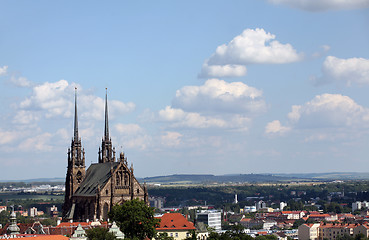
(48, 237)
(73, 224)
(174, 221)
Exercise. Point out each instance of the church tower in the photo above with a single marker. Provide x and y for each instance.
(76, 163)
(106, 152)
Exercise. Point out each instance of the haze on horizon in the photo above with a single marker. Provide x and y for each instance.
(210, 87)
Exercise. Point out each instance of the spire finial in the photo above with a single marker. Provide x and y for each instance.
(75, 116)
(106, 132)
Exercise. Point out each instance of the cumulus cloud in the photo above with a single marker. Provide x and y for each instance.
(275, 127)
(180, 118)
(215, 104)
(228, 70)
(3, 70)
(348, 71)
(171, 139)
(20, 81)
(56, 99)
(323, 5)
(39, 143)
(128, 129)
(329, 110)
(252, 46)
(7, 137)
(326, 112)
(220, 96)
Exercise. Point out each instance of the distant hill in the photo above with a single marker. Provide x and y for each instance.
(41, 180)
(234, 178)
(231, 178)
(254, 178)
(328, 176)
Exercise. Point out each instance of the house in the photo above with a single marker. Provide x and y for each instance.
(309, 231)
(332, 231)
(362, 229)
(175, 225)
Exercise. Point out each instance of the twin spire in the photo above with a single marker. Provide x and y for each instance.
(108, 153)
(75, 116)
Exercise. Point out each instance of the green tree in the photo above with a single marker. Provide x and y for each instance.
(193, 236)
(99, 234)
(135, 219)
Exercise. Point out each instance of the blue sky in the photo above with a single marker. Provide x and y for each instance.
(210, 87)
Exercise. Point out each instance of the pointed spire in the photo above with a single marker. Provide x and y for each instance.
(106, 132)
(75, 116)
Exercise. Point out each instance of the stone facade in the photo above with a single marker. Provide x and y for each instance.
(89, 195)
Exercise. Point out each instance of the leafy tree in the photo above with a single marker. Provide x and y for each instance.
(193, 236)
(99, 234)
(266, 237)
(4, 217)
(135, 219)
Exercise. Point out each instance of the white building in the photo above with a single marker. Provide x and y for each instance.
(32, 212)
(359, 205)
(282, 205)
(212, 218)
(248, 209)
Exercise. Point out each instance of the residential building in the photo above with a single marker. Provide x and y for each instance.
(309, 231)
(175, 225)
(212, 218)
(332, 231)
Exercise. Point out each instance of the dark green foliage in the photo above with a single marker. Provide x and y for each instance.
(135, 219)
(193, 236)
(267, 237)
(4, 217)
(49, 222)
(99, 234)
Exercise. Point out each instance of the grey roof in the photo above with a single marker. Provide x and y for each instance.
(97, 174)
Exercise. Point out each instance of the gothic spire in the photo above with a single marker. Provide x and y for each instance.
(106, 132)
(75, 116)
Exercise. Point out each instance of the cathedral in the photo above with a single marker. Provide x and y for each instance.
(89, 195)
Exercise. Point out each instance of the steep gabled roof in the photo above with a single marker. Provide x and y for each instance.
(97, 174)
(175, 221)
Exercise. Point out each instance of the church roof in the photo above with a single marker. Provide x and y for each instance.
(97, 174)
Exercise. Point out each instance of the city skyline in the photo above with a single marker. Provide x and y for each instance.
(211, 87)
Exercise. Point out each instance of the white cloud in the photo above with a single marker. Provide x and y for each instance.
(348, 71)
(220, 96)
(21, 81)
(275, 127)
(252, 46)
(3, 70)
(56, 100)
(7, 137)
(39, 143)
(128, 129)
(326, 117)
(330, 110)
(323, 5)
(171, 139)
(228, 70)
(180, 118)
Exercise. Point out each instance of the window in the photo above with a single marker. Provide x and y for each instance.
(176, 234)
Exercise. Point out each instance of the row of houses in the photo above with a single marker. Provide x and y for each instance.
(331, 231)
